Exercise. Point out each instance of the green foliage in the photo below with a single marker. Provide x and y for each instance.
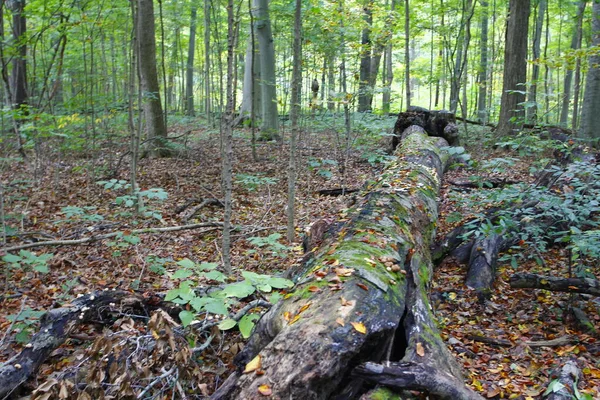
(460, 156)
(74, 214)
(123, 241)
(28, 261)
(24, 324)
(139, 199)
(220, 301)
(270, 243)
(253, 182)
(322, 166)
(525, 211)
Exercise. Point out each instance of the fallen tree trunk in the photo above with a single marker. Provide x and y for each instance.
(362, 298)
(569, 285)
(57, 324)
(565, 384)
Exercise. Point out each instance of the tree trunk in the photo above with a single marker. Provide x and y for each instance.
(362, 298)
(515, 68)
(575, 43)
(482, 76)
(590, 117)
(535, 75)
(189, 69)
(227, 138)
(18, 77)
(407, 51)
(365, 59)
(269, 116)
(389, 67)
(294, 116)
(207, 64)
(153, 113)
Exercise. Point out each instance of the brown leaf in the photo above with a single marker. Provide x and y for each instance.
(362, 286)
(340, 321)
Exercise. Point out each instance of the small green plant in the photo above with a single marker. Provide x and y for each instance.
(253, 182)
(74, 214)
(123, 241)
(376, 157)
(157, 264)
(24, 324)
(322, 166)
(139, 199)
(28, 261)
(269, 243)
(460, 156)
(498, 164)
(219, 302)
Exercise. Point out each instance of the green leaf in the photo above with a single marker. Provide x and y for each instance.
(182, 274)
(264, 287)
(216, 306)
(275, 297)
(207, 266)
(186, 263)
(227, 324)
(216, 276)
(554, 387)
(186, 317)
(280, 283)
(43, 268)
(246, 324)
(172, 294)
(239, 290)
(11, 258)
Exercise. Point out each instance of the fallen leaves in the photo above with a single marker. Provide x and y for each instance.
(359, 327)
(253, 365)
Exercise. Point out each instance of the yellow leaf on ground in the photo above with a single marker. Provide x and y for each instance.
(420, 349)
(265, 390)
(253, 365)
(360, 327)
(287, 316)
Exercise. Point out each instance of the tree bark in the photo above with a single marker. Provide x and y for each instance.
(535, 75)
(294, 116)
(189, 68)
(569, 285)
(365, 58)
(482, 75)
(515, 68)
(363, 297)
(575, 43)
(269, 116)
(151, 104)
(18, 77)
(590, 117)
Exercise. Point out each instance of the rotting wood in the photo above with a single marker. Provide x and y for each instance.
(568, 376)
(569, 285)
(363, 297)
(55, 327)
(416, 376)
(336, 192)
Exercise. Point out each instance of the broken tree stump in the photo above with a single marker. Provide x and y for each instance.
(362, 298)
(440, 123)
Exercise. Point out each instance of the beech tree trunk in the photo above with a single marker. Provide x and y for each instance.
(515, 68)
(362, 298)
(590, 117)
(269, 116)
(189, 68)
(151, 104)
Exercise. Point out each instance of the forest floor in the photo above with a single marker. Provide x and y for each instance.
(56, 196)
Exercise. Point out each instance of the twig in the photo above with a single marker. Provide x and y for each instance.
(560, 341)
(155, 381)
(204, 345)
(91, 239)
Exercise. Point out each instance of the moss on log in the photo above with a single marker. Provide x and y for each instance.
(363, 297)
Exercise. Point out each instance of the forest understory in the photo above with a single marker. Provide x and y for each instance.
(512, 343)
